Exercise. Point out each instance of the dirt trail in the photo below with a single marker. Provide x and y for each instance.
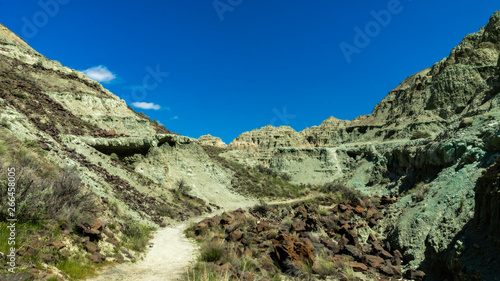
(168, 259)
(171, 252)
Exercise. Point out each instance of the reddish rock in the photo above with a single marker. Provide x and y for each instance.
(239, 214)
(391, 270)
(298, 226)
(97, 257)
(384, 254)
(66, 228)
(293, 249)
(301, 212)
(333, 246)
(231, 227)
(359, 210)
(374, 261)
(119, 258)
(352, 237)
(113, 242)
(90, 246)
(235, 236)
(358, 267)
(353, 252)
(248, 253)
(416, 275)
(263, 226)
(215, 221)
(58, 244)
(92, 230)
(339, 260)
(47, 258)
(27, 251)
(226, 219)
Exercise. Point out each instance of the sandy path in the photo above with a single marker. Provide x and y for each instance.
(168, 259)
(171, 253)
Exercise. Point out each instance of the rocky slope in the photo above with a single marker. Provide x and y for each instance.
(428, 141)
(137, 174)
(433, 142)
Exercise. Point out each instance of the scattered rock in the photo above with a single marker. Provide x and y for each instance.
(293, 249)
(97, 257)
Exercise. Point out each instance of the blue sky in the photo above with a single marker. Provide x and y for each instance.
(228, 66)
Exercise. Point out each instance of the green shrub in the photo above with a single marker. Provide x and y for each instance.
(38, 64)
(19, 94)
(262, 208)
(183, 187)
(73, 75)
(137, 235)
(114, 157)
(342, 191)
(212, 251)
(5, 123)
(286, 176)
(76, 268)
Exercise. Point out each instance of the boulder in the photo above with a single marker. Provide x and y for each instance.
(298, 226)
(353, 252)
(97, 257)
(358, 267)
(290, 248)
(374, 261)
(416, 275)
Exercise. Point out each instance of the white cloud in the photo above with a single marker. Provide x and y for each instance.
(100, 74)
(175, 117)
(146, 105)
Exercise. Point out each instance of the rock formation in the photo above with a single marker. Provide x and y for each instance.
(212, 141)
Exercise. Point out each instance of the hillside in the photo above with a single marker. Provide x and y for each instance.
(428, 142)
(408, 191)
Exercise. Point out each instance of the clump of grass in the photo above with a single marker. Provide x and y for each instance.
(5, 123)
(212, 251)
(42, 190)
(19, 94)
(419, 191)
(114, 157)
(137, 235)
(200, 272)
(343, 192)
(183, 187)
(322, 266)
(262, 208)
(38, 64)
(348, 272)
(419, 135)
(77, 268)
